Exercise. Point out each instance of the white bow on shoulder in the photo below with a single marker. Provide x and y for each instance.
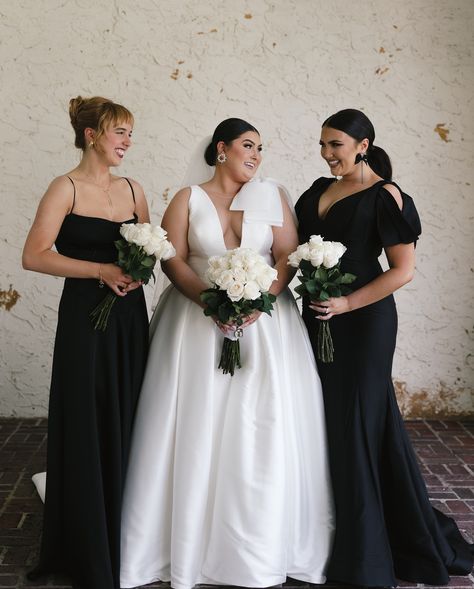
(260, 199)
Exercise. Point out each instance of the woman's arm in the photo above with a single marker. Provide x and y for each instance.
(401, 259)
(176, 223)
(38, 254)
(285, 241)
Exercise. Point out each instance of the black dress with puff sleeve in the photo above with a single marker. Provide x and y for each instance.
(386, 528)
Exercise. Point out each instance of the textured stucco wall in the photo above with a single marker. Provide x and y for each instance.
(182, 66)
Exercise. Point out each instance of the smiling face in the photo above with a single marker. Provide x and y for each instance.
(340, 150)
(244, 155)
(114, 142)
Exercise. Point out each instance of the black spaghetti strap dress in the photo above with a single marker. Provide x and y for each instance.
(96, 379)
(386, 528)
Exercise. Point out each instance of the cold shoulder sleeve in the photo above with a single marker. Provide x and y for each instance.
(394, 225)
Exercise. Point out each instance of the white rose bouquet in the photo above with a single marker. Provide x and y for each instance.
(241, 279)
(142, 245)
(319, 262)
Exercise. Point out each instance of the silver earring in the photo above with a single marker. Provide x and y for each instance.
(222, 158)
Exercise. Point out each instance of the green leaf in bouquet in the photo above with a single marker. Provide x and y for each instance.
(301, 290)
(345, 290)
(347, 278)
(333, 290)
(321, 274)
(225, 312)
(121, 244)
(212, 299)
(306, 267)
(312, 287)
(148, 261)
(323, 296)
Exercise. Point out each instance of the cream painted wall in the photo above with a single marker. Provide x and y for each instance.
(181, 67)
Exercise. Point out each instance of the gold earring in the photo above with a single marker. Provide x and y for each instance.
(91, 144)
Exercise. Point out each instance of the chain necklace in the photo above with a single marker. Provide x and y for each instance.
(107, 193)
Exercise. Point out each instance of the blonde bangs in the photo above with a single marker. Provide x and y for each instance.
(113, 114)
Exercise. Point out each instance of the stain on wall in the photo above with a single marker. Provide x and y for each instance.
(8, 298)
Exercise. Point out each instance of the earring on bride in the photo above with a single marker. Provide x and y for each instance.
(222, 158)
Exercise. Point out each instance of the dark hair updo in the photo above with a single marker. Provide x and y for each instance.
(356, 124)
(226, 131)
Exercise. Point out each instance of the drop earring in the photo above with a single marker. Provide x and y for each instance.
(362, 158)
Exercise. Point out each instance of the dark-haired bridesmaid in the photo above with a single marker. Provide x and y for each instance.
(386, 528)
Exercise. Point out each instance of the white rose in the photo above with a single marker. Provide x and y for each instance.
(304, 251)
(216, 263)
(235, 291)
(315, 240)
(265, 278)
(166, 252)
(333, 251)
(225, 279)
(143, 234)
(128, 231)
(251, 291)
(239, 274)
(316, 257)
(153, 246)
(294, 260)
(159, 232)
(340, 248)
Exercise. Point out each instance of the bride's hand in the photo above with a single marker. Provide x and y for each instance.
(251, 319)
(227, 329)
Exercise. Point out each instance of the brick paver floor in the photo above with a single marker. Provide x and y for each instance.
(445, 450)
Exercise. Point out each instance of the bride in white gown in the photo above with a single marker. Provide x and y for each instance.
(228, 480)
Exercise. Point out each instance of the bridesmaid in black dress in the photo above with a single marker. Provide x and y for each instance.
(386, 528)
(96, 375)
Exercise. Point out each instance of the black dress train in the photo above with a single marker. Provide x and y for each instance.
(385, 525)
(96, 381)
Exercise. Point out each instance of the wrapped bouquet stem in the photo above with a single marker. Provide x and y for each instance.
(319, 263)
(142, 245)
(241, 279)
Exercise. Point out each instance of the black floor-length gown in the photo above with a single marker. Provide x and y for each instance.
(96, 380)
(385, 525)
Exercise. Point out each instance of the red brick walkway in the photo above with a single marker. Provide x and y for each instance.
(445, 450)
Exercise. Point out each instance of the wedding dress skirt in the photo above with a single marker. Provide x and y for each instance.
(228, 479)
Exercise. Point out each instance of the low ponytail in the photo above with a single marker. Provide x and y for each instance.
(356, 124)
(379, 162)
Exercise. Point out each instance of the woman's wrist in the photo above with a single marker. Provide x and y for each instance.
(98, 275)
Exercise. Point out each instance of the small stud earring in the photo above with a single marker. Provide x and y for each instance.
(91, 144)
(222, 158)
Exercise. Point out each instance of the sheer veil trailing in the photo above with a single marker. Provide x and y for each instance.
(197, 172)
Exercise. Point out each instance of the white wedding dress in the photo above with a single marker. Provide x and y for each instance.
(228, 480)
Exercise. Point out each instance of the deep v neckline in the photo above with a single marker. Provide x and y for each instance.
(331, 206)
(218, 220)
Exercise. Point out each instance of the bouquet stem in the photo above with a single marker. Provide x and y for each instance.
(230, 356)
(325, 345)
(100, 315)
